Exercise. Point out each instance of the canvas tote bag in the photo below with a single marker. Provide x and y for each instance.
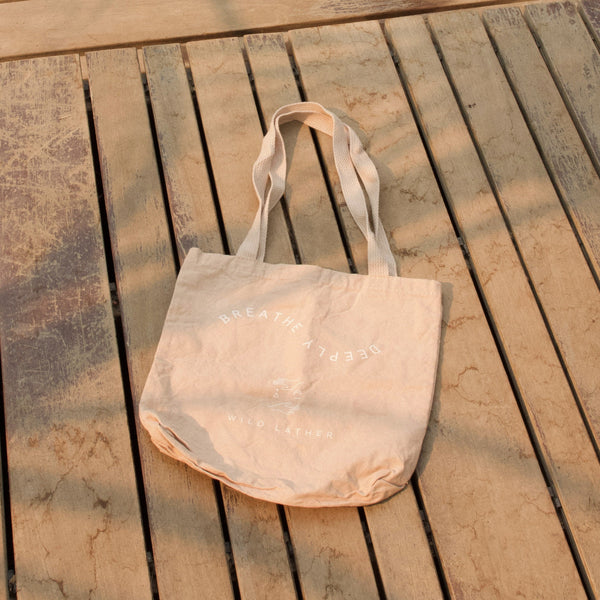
(294, 383)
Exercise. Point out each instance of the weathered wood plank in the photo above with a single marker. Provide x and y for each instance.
(336, 538)
(402, 548)
(331, 554)
(590, 11)
(233, 134)
(259, 550)
(184, 521)
(575, 62)
(550, 250)
(571, 462)
(547, 116)
(75, 515)
(49, 26)
(183, 162)
(404, 558)
(487, 503)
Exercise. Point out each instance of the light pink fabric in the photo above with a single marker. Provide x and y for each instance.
(293, 383)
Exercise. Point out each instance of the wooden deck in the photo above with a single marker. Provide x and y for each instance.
(484, 125)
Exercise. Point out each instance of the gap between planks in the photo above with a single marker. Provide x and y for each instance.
(8, 586)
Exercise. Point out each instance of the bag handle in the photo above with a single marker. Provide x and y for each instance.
(355, 169)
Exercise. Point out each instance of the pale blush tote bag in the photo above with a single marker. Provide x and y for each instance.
(293, 383)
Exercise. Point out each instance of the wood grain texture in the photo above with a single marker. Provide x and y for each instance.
(550, 250)
(402, 548)
(75, 515)
(259, 550)
(590, 12)
(404, 557)
(48, 26)
(331, 554)
(183, 163)
(184, 521)
(575, 62)
(484, 494)
(569, 456)
(233, 135)
(548, 118)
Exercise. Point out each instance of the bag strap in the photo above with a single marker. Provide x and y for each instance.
(357, 175)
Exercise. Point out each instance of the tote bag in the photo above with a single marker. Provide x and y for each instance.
(294, 383)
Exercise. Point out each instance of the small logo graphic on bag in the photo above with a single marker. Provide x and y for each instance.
(288, 394)
(286, 400)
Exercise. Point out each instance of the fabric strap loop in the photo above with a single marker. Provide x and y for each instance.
(357, 175)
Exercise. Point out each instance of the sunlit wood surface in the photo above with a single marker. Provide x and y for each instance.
(484, 125)
(32, 27)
